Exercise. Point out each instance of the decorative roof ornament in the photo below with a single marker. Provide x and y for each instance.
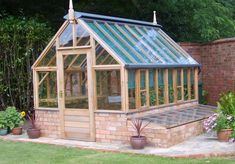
(154, 18)
(71, 12)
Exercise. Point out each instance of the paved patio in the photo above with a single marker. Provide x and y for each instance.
(205, 145)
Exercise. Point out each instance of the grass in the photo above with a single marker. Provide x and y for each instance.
(28, 153)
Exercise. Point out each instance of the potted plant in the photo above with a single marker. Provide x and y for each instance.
(15, 120)
(223, 121)
(33, 132)
(138, 141)
(3, 124)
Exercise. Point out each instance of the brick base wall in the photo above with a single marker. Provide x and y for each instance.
(116, 128)
(48, 122)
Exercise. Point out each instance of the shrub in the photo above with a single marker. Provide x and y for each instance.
(21, 41)
(14, 118)
(3, 122)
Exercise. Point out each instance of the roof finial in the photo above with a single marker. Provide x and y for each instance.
(71, 11)
(154, 18)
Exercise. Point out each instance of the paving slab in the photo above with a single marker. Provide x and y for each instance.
(205, 145)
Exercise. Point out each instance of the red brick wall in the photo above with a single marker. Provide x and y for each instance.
(218, 66)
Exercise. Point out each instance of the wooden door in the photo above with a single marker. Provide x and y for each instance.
(76, 111)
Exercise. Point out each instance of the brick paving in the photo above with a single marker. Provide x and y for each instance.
(202, 146)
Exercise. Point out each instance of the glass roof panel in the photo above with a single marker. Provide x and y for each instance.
(135, 44)
(49, 59)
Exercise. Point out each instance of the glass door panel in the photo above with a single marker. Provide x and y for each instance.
(75, 81)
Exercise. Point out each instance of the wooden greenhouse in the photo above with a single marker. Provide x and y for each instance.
(97, 71)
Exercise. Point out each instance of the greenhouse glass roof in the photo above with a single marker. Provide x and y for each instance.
(137, 43)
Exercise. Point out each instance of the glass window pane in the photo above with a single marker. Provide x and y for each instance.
(103, 57)
(108, 89)
(66, 38)
(75, 80)
(131, 89)
(170, 86)
(185, 84)
(179, 86)
(109, 42)
(192, 83)
(152, 92)
(50, 57)
(82, 36)
(47, 89)
(160, 86)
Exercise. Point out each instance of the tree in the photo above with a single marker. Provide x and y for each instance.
(21, 42)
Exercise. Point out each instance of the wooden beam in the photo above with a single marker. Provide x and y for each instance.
(137, 89)
(166, 89)
(45, 69)
(91, 93)
(175, 90)
(61, 92)
(107, 67)
(74, 48)
(123, 95)
(156, 87)
(35, 89)
(147, 86)
(182, 84)
(189, 82)
(196, 83)
(126, 90)
(74, 34)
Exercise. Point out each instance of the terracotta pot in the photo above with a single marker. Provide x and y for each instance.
(224, 135)
(138, 142)
(3, 132)
(17, 131)
(33, 133)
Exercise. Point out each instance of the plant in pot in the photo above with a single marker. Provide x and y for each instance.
(33, 132)
(138, 141)
(223, 121)
(15, 120)
(3, 124)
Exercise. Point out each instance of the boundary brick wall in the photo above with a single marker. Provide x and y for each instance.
(218, 66)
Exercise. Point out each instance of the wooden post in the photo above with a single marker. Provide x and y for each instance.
(166, 89)
(182, 84)
(35, 88)
(123, 89)
(126, 90)
(189, 82)
(61, 92)
(91, 93)
(137, 89)
(196, 83)
(156, 87)
(74, 34)
(175, 90)
(147, 86)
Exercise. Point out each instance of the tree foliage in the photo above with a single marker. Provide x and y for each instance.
(184, 20)
(21, 41)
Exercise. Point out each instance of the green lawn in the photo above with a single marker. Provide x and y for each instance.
(15, 152)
